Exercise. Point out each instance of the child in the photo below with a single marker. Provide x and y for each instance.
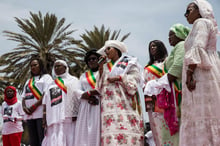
(12, 113)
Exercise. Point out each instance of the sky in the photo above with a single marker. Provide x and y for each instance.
(146, 20)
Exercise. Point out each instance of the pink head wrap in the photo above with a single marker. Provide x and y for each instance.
(206, 11)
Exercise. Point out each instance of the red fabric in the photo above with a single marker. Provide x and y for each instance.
(12, 139)
(166, 101)
(12, 100)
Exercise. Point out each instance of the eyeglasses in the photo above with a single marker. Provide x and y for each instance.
(109, 48)
(92, 59)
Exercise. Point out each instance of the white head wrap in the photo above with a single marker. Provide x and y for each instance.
(66, 74)
(73, 86)
(115, 44)
(206, 11)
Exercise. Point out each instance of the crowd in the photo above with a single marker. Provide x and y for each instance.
(103, 107)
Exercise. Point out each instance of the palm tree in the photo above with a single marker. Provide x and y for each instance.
(44, 36)
(95, 39)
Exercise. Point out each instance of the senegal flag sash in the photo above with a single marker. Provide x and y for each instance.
(110, 65)
(177, 88)
(154, 70)
(60, 84)
(34, 90)
(91, 78)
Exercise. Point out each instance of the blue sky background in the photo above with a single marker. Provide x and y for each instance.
(145, 19)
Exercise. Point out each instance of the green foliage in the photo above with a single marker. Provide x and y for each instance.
(45, 36)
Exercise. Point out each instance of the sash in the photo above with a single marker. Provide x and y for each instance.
(34, 90)
(91, 78)
(154, 70)
(110, 65)
(137, 102)
(177, 88)
(60, 84)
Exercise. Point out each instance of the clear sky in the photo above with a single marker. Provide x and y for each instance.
(145, 19)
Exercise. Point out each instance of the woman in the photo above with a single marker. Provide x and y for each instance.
(201, 79)
(61, 102)
(173, 69)
(32, 100)
(12, 114)
(117, 82)
(154, 70)
(88, 119)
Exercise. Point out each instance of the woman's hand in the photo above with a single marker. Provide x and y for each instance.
(86, 95)
(149, 102)
(114, 79)
(171, 78)
(190, 82)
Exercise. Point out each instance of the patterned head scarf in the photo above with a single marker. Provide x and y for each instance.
(206, 11)
(13, 100)
(180, 30)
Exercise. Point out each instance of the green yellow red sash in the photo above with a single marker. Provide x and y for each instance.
(35, 91)
(177, 88)
(154, 70)
(60, 84)
(110, 65)
(136, 103)
(91, 78)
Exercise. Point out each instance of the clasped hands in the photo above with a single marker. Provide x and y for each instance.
(90, 96)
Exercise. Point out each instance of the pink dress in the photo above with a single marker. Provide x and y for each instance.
(200, 122)
(159, 127)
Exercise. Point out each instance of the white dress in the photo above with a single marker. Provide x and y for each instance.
(60, 108)
(88, 119)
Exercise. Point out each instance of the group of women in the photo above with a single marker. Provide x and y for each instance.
(103, 107)
(186, 83)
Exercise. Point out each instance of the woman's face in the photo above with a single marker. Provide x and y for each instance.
(173, 39)
(10, 93)
(59, 68)
(153, 49)
(93, 61)
(35, 67)
(111, 52)
(192, 13)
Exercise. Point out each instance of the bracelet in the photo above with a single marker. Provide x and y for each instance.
(34, 106)
(88, 93)
(119, 78)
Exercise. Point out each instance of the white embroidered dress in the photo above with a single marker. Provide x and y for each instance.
(200, 108)
(120, 123)
(88, 119)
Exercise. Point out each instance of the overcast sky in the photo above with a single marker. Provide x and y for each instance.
(145, 19)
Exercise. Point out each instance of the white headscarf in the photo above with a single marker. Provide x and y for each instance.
(206, 11)
(113, 43)
(72, 84)
(64, 75)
